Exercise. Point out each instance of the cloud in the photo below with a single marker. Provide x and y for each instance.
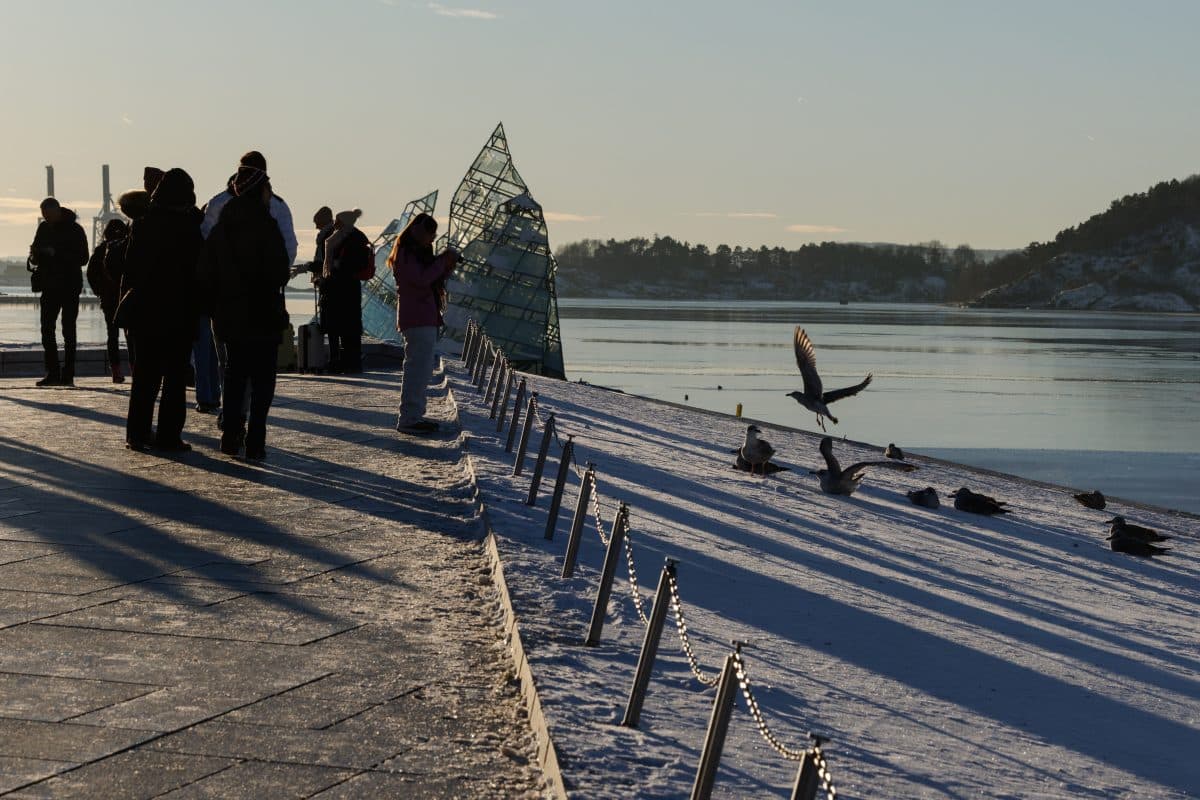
(559, 216)
(19, 211)
(462, 13)
(816, 229)
(737, 214)
(126, 119)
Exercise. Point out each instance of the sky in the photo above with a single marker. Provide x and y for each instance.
(776, 123)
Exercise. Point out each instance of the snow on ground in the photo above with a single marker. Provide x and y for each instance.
(946, 655)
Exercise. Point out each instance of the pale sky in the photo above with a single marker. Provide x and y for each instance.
(778, 123)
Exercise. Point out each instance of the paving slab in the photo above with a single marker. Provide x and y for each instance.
(194, 626)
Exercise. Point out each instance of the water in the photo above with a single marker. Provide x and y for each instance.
(1104, 400)
(1078, 398)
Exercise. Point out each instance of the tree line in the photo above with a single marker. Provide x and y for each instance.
(832, 270)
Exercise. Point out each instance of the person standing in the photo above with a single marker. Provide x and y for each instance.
(244, 270)
(347, 255)
(281, 214)
(160, 270)
(58, 251)
(108, 288)
(418, 273)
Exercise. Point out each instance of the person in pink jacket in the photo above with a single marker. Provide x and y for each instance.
(420, 292)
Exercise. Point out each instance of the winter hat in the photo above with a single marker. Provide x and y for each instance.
(247, 179)
(176, 190)
(348, 218)
(133, 204)
(150, 178)
(253, 159)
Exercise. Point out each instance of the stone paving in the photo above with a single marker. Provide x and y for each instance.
(321, 624)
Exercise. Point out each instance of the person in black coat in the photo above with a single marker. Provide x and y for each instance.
(133, 204)
(160, 269)
(245, 268)
(347, 255)
(59, 249)
(107, 287)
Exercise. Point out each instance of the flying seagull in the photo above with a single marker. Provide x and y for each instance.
(975, 503)
(1130, 531)
(1091, 499)
(756, 452)
(835, 480)
(814, 398)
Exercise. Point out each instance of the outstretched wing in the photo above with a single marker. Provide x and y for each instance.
(806, 360)
(849, 391)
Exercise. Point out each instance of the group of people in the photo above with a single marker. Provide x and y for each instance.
(202, 289)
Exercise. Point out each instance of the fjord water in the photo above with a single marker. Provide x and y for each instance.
(1082, 399)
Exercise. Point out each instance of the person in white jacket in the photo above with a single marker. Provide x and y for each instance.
(282, 215)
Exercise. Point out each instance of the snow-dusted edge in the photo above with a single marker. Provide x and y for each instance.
(547, 755)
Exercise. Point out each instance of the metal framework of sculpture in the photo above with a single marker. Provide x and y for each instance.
(379, 293)
(506, 278)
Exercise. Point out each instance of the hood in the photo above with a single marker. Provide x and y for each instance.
(68, 215)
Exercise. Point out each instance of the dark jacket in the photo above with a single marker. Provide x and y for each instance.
(105, 286)
(160, 267)
(59, 250)
(244, 270)
(341, 292)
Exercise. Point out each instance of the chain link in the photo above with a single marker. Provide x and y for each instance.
(756, 712)
(823, 772)
(632, 570)
(681, 627)
(596, 510)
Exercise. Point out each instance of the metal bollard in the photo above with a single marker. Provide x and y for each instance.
(616, 541)
(808, 777)
(718, 725)
(498, 402)
(526, 429)
(512, 429)
(494, 380)
(560, 483)
(645, 665)
(539, 466)
(581, 512)
(468, 339)
(481, 365)
(473, 353)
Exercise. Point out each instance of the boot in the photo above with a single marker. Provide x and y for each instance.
(53, 376)
(117, 377)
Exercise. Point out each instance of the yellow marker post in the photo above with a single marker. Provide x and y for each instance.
(738, 413)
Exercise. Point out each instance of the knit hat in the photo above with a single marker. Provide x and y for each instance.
(247, 179)
(348, 218)
(134, 203)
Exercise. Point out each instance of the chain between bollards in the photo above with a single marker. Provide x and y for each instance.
(578, 521)
(539, 466)
(654, 628)
(560, 483)
(516, 416)
(615, 541)
(530, 413)
(718, 726)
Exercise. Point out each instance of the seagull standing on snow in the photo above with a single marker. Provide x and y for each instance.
(975, 503)
(756, 452)
(835, 480)
(1119, 527)
(814, 398)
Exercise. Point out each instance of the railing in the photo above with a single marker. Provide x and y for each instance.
(489, 370)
